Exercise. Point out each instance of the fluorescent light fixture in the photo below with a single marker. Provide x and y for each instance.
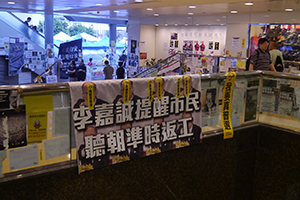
(267, 15)
(166, 24)
(156, 14)
(234, 11)
(175, 24)
(249, 3)
(192, 6)
(289, 9)
(156, 24)
(149, 8)
(221, 24)
(98, 4)
(186, 24)
(116, 11)
(139, 1)
(69, 7)
(11, 2)
(190, 13)
(197, 24)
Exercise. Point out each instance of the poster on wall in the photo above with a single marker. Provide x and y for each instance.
(171, 43)
(187, 46)
(121, 120)
(174, 36)
(217, 45)
(16, 56)
(143, 56)
(197, 47)
(176, 44)
(210, 45)
(133, 46)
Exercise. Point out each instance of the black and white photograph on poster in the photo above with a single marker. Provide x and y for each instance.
(16, 56)
(251, 104)
(287, 105)
(171, 43)
(4, 99)
(176, 44)
(209, 101)
(174, 36)
(217, 45)
(132, 126)
(14, 127)
(210, 45)
(133, 46)
(269, 96)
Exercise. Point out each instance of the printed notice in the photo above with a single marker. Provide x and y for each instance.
(23, 157)
(61, 125)
(57, 147)
(36, 126)
(38, 103)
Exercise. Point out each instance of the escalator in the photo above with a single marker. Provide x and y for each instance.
(162, 67)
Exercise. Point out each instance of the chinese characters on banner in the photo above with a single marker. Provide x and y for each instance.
(135, 118)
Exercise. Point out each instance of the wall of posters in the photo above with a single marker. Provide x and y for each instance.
(121, 120)
(16, 55)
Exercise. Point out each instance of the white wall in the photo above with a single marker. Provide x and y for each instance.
(148, 36)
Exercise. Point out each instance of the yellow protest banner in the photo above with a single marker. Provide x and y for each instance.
(126, 92)
(186, 86)
(226, 105)
(178, 83)
(90, 90)
(36, 126)
(150, 90)
(159, 88)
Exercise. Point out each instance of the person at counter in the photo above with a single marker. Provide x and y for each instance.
(81, 71)
(72, 71)
(260, 58)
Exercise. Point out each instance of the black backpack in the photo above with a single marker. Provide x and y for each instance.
(278, 64)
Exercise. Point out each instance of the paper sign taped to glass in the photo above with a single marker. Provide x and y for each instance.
(124, 124)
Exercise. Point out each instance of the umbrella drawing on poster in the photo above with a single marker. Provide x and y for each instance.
(176, 44)
(171, 43)
(197, 46)
(216, 45)
(187, 46)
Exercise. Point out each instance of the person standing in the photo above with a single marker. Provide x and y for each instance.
(120, 71)
(72, 71)
(81, 71)
(276, 57)
(108, 70)
(90, 63)
(260, 58)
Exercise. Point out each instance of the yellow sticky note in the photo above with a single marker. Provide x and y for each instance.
(240, 64)
(38, 103)
(36, 126)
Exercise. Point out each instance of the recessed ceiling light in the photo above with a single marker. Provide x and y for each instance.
(186, 24)
(175, 24)
(138, 1)
(197, 24)
(267, 15)
(69, 7)
(192, 6)
(234, 12)
(116, 11)
(149, 9)
(208, 24)
(156, 24)
(293, 19)
(190, 13)
(11, 2)
(224, 17)
(166, 24)
(249, 3)
(221, 24)
(217, 20)
(156, 14)
(289, 10)
(98, 4)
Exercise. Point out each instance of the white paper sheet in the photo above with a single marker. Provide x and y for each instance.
(61, 122)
